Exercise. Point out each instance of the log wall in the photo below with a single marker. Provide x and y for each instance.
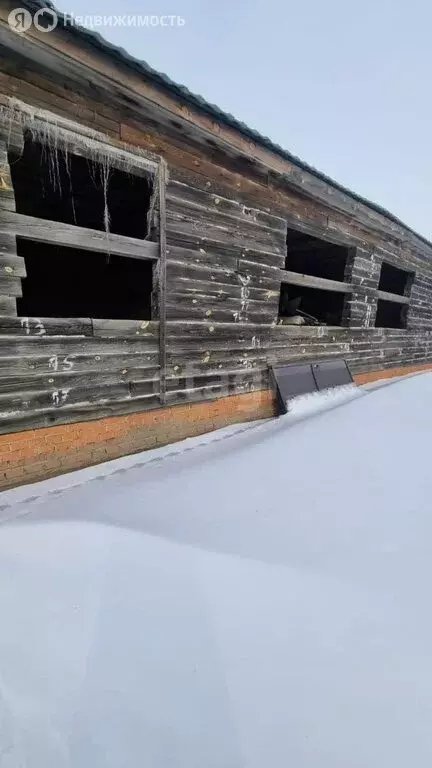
(225, 220)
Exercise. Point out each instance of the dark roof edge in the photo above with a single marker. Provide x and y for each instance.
(212, 110)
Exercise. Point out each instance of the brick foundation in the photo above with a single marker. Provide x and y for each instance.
(26, 457)
(389, 373)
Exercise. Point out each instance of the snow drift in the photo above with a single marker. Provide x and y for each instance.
(258, 598)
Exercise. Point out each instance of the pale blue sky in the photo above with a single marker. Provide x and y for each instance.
(344, 86)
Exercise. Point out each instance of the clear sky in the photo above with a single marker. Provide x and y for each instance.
(346, 87)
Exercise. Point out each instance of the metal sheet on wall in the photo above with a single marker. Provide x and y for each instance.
(332, 373)
(291, 381)
(294, 379)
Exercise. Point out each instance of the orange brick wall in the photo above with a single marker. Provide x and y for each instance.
(389, 373)
(26, 457)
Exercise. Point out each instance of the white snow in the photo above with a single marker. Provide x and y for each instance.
(257, 597)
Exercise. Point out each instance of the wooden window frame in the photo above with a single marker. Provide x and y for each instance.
(319, 283)
(16, 118)
(308, 281)
(404, 300)
(74, 139)
(71, 236)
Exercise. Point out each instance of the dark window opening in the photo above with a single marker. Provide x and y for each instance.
(310, 306)
(312, 256)
(391, 315)
(394, 280)
(75, 190)
(66, 282)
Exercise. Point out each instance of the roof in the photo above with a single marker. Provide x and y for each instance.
(180, 91)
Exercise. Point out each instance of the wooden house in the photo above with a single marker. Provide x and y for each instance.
(156, 256)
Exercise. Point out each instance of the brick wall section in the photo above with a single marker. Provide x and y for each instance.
(389, 373)
(26, 457)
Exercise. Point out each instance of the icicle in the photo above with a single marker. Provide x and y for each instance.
(59, 141)
(154, 201)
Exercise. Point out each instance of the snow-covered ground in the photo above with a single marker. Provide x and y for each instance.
(257, 597)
